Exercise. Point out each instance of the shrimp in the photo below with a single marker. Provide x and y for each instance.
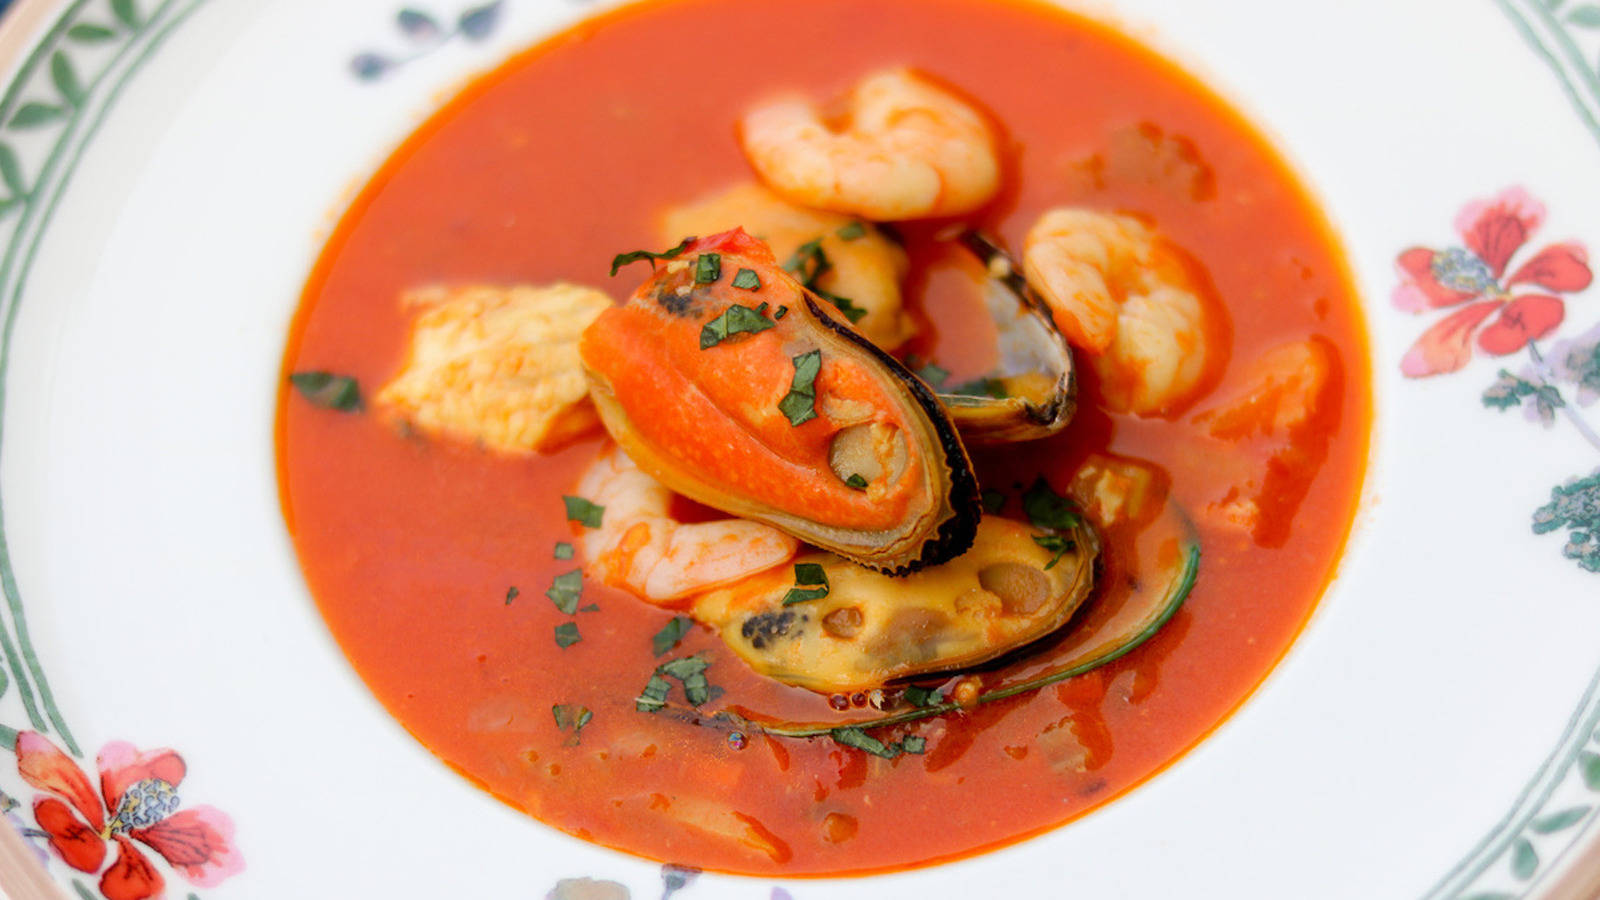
(908, 149)
(640, 548)
(863, 266)
(1118, 291)
(497, 366)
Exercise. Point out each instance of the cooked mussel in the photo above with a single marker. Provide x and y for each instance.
(1032, 391)
(831, 626)
(732, 384)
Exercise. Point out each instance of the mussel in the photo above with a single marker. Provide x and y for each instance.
(865, 630)
(729, 382)
(1032, 391)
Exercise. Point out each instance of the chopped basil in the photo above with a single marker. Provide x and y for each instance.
(563, 550)
(782, 311)
(860, 740)
(340, 393)
(567, 635)
(851, 311)
(1047, 509)
(914, 744)
(809, 262)
(583, 512)
(624, 259)
(1057, 544)
(981, 387)
(685, 667)
(736, 319)
(654, 695)
(708, 268)
(512, 593)
(921, 696)
(852, 231)
(811, 581)
(933, 374)
(593, 607)
(857, 482)
(747, 280)
(670, 634)
(564, 591)
(800, 404)
(993, 501)
(571, 717)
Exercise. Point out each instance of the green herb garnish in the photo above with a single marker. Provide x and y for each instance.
(914, 744)
(860, 740)
(690, 672)
(747, 280)
(808, 262)
(736, 319)
(857, 482)
(921, 696)
(587, 514)
(564, 550)
(811, 581)
(571, 717)
(670, 634)
(708, 268)
(800, 404)
(340, 393)
(993, 501)
(567, 634)
(782, 311)
(654, 695)
(1057, 544)
(564, 591)
(851, 311)
(933, 374)
(512, 593)
(981, 387)
(624, 259)
(1047, 509)
(852, 231)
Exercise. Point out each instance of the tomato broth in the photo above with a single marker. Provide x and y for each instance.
(429, 560)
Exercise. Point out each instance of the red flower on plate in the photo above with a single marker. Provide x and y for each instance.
(137, 801)
(1520, 308)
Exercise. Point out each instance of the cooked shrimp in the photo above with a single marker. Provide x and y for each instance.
(497, 366)
(864, 266)
(640, 548)
(1121, 293)
(908, 150)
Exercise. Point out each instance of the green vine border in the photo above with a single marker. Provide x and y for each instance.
(49, 113)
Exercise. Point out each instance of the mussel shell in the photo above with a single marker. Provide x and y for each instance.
(724, 450)
(1036, 371)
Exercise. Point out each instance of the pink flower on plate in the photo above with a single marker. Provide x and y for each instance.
(137, 801)
(1520, 308)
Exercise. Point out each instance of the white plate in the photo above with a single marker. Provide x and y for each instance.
(1432, 734)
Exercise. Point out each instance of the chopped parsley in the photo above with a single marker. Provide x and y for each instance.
(340, 393)
(850, 736)
(654, 695)
(782, 311)
(853, 231)
(571, 717)
(564, 591)
(567, 634)
(857, 482)
(563, 550)
(512, 593)
(993, 501)
(809, 262)
(587, 514)
(811, 584)
(1047, 509)
(747, 280)
(736, 319)
(708, 268)
(921, 696)
(624, 259)
(800, 404)
(690, 672)
(1057, 544)
(666, 640)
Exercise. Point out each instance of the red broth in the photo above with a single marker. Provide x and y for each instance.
(567, 154)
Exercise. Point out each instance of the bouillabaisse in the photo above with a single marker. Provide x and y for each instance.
(431, 559)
